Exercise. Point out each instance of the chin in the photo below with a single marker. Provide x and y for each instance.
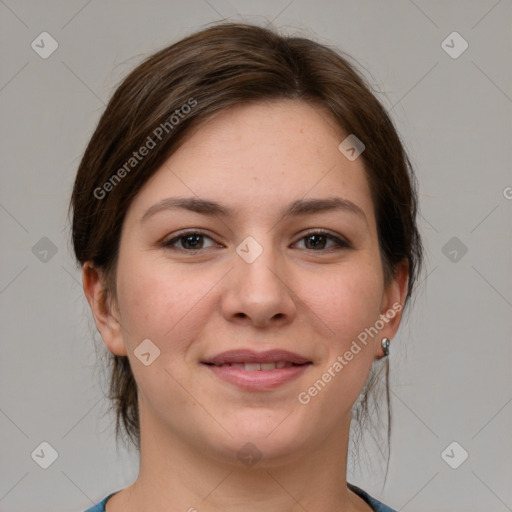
(265, 442)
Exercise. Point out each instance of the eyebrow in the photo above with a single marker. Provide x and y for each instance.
(294, 209)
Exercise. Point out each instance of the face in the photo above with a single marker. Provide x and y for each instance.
(251, 278)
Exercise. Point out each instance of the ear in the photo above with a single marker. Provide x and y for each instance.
(392, 305)
(102, 306)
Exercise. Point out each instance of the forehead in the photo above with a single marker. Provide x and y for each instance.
(256, 157)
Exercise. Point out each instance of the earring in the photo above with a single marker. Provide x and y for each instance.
(385, 346)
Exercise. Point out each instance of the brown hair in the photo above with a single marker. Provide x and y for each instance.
(210, 71)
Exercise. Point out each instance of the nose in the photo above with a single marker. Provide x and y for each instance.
(260, 292)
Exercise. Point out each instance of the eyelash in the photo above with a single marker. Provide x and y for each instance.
(340, 243)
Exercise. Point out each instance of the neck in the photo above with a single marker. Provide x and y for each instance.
(174, 475)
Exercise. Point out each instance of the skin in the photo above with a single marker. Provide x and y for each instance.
(255, 159)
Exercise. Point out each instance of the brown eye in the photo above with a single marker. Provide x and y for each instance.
(189, 241)
(318, 240)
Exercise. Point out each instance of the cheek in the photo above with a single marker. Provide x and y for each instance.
(348, 303)
(348, 300)
(161, 303)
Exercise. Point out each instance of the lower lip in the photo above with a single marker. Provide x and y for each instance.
(257, 380)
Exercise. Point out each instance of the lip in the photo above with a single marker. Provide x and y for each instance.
(251, 356)
(257, 380)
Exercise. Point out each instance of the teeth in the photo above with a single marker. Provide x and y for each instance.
(252, 367)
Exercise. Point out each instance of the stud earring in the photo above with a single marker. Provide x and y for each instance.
(385, 346)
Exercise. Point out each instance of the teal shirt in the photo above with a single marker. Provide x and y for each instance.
(376, 505)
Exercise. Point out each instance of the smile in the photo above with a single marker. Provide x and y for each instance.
(253, 367)
(257, 377)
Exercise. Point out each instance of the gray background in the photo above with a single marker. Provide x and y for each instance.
(451, 360)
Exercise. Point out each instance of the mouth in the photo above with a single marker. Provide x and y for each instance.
(251, 357)
(253, 367)
(257, 371)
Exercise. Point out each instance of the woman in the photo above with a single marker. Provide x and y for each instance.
(245, 219)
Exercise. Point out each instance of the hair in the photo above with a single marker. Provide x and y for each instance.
(183, 85)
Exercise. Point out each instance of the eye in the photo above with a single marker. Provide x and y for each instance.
(317, 240)
(188, 241)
